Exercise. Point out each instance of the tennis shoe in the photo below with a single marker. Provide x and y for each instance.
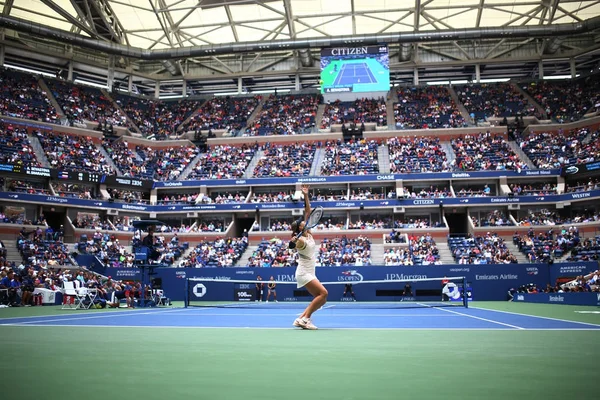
(309, 325)
(298, 323)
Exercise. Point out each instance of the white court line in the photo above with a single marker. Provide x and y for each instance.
(537, 316)
(296, 329)
(322, 308)
(92, 317)
(479, 318)
(269, 315)
(76, 312)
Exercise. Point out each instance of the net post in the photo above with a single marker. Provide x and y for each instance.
(465, 294)
(186, 300)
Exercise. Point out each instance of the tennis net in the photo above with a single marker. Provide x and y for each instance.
(425, 292)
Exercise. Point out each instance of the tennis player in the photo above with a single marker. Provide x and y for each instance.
(271, 289)
(305, 272)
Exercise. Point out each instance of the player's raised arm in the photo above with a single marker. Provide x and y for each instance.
(306, 202)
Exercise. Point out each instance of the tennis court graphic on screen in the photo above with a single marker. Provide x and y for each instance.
(355, 69)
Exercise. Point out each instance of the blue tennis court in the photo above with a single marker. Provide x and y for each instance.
(332, 316)
(353, 73)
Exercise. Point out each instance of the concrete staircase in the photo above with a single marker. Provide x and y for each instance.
(447, 147)
(38, 150)
(189, 118)
(108, 159)
(254, 114)
(130, 123)
(389, 106)
(12, 253)
(530, 99)
(243, 261)
(517, 149)
(463, 110)
(315, 168)
(521, 258)
(250, 169)
(383, 159)
(319, 116)
(377, 252)
(184, 174)
(445, 253)
(50, 95)
(588, 138)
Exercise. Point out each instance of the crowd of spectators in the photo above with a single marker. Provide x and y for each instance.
(418, 154)
(431, 192)
(84, 103)
(549, 150)
(368, 224)
(360, 111)
(423, 250)
(492, 218)
(540, 217)
(351, 158)
(566, 101)
(494, 100)
(157, 118)
(474, 191)
(534, 189)
(72, 152)
(165, 164)
(485, 249)
(426, 107)
(485, 151)
(222, 252)
(39, 249)
(342, 251)
(22, 97)
(587, 249)
(397, 256)
(285, 160)
(74, 190)
(542, 247)
(229, 113)
(285, 115)
(273, 253)
(371, 194)
(278, 225)
(591, 184)
(271, 197)
(15, 147)
(31, 187)
(223, 162)
(128, 196)
(223, 197)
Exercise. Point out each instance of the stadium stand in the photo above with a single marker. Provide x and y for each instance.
(15, 147)
(485, 151)
(485, 249)
(494, 100)
(230, 113)
(223, 162)
(285, 115)
(428, 107)
(419, 154)
(76, 153)
(22, 97)
(360, 111)
(285, 160)
(352, 158)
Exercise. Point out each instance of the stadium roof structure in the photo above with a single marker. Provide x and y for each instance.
(279, 41)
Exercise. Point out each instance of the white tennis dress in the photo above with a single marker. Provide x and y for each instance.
(305, 272)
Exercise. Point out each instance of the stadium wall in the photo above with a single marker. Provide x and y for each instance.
(488, 282)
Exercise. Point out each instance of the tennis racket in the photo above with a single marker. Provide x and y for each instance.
(312, 221)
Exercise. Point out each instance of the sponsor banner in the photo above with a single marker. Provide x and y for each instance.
(489, 282)
(576, 299)
(103, 204)
(571, 270)
(356, 178)
(580, 169)
(243, 295)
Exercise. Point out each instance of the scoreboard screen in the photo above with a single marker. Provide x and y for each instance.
(355, 69)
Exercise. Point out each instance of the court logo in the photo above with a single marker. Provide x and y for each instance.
(452, 291)
(350, 276)
(199, 290)
(532, 271)
(572, 170)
